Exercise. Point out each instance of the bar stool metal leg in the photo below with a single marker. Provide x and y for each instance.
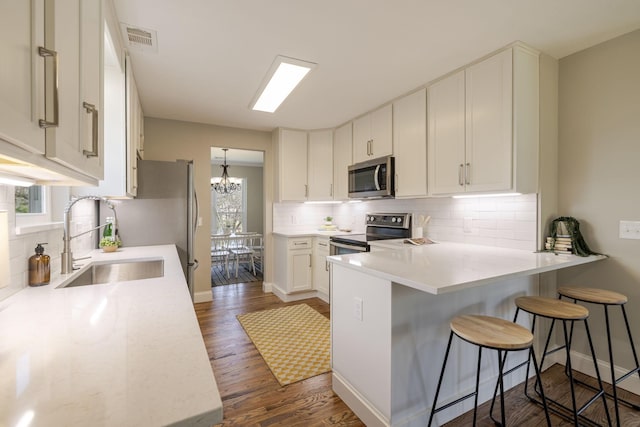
(565, 312)
(607, 298)
(444, 365)
(494, 334)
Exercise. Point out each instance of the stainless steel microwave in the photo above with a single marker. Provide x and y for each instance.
(372, 179)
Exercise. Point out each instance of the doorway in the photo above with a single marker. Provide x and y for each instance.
(237, 216)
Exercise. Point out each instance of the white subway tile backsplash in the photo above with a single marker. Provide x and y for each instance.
(22, 246)
(508, 222)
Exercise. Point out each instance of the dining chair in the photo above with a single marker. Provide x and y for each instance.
(220, 251)
(241, 251)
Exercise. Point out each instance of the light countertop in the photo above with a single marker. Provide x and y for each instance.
(313, 233)
(447, 267)
(118, 354)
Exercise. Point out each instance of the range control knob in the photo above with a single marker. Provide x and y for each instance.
(393, 219)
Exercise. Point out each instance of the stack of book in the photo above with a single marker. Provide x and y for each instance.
(559, 244)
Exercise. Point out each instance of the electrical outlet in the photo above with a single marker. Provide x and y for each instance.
(293, 219)
(357, 308)
(199, 221)
(630, 229)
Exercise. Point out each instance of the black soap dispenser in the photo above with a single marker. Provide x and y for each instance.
(39, 267)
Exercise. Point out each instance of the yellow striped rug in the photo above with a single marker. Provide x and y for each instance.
(293, 340)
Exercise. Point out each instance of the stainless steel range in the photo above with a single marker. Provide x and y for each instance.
(380, 226)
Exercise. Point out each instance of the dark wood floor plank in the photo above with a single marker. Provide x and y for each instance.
(251, 395)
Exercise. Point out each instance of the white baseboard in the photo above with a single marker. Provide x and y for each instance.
(205, 296)
(583, 363)
(324, 297)
(267, 287)
(367, 413)
(292, 297)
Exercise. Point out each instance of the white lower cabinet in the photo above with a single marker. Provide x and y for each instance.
(293, 264)
(320, 265)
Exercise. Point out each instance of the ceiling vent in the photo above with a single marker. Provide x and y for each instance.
(140, 38)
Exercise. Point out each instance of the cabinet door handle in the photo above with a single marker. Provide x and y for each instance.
(326, 266)
(460, 171)
(306, 190)
(90, 108)
(467, 174)
(330, 190)
(48, 53)
(309, 260)
(322, 244)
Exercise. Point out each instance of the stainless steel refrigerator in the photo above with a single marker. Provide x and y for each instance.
(165, 211)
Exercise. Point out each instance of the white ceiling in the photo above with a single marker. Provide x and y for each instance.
(213, 54)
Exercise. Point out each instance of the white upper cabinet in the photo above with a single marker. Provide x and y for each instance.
(291, 157)
(410, 144)
(50, 95)
(446, 116)
(123, 119)
(134, 131)
(22, 78)
(342, 155)
(74, 30)
(488, 155)
(483, 126)
(320, 165)
(373, 135)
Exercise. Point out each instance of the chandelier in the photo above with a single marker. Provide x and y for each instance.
(224, 185)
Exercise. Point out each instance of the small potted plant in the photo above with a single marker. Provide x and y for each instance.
(327, 220)
(109, 245)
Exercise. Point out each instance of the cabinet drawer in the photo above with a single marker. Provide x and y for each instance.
(321, 246)
(300, 243)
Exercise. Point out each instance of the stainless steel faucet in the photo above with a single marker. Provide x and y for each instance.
(67, 256)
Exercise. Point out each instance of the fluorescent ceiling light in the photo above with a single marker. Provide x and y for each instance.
(16, 180)
(473, 196)
(283, 76)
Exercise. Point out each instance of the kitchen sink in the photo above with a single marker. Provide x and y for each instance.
(119, 271)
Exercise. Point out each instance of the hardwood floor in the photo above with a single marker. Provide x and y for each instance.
(251, 396)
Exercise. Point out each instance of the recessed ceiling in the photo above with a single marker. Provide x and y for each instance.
(213, 54)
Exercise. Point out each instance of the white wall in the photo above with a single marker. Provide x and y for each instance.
(599, 173)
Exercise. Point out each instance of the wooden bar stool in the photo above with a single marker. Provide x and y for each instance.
(492, 333)
(564, 311)
(608, 298)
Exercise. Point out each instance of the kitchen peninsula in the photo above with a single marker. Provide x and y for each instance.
(390, 313)
(126, 353)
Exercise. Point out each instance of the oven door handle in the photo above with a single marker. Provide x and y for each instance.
(376, 174)
(350, 247)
